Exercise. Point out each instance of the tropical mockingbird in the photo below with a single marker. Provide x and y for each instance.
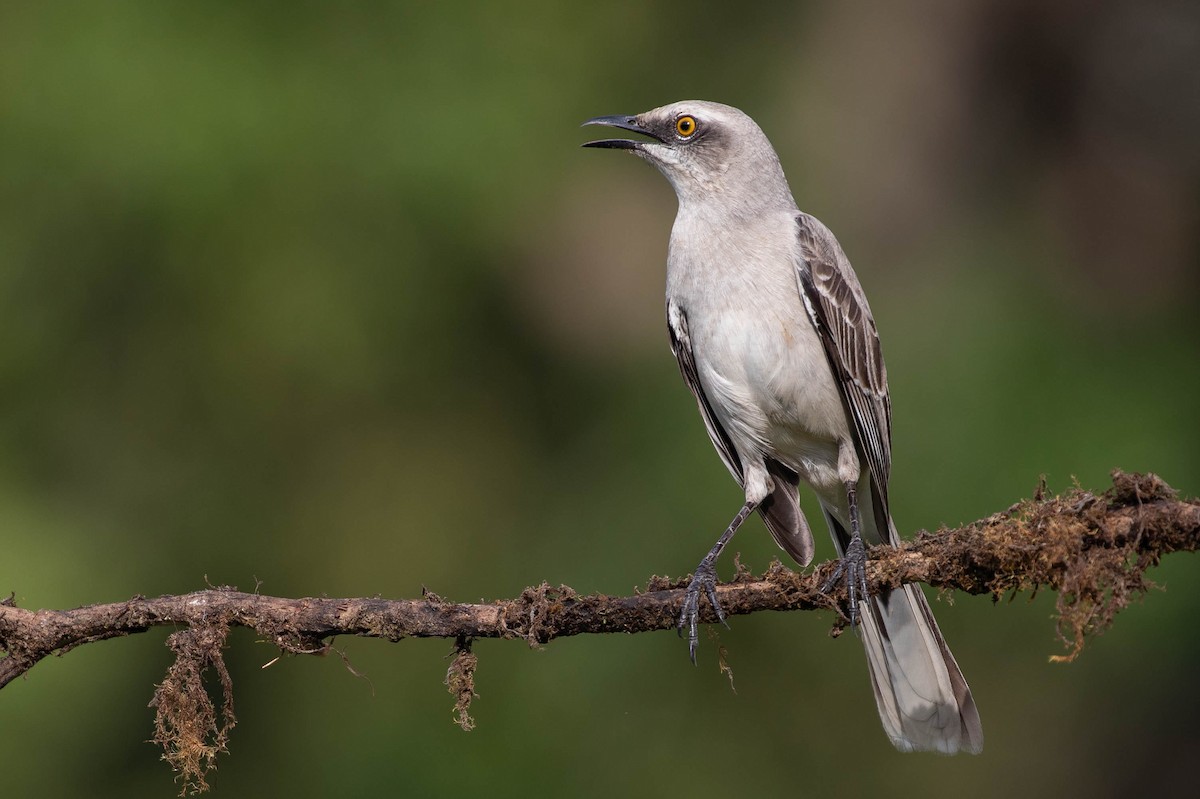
(775, 339)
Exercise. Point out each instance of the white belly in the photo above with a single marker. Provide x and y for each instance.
(769, 380)
(764, 371)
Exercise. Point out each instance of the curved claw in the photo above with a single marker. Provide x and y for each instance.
(853, 565)
(705, 578)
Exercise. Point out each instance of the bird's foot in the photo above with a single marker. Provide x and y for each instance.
(705, 579)
(852, 566)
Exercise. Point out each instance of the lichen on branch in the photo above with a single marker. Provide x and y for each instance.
(1092, 549)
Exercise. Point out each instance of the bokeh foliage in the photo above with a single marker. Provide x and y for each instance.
(326, 296)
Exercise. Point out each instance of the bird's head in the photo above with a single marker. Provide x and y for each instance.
(704, 149)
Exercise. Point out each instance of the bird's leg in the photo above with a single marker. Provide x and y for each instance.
(705, 578)
(853, 563)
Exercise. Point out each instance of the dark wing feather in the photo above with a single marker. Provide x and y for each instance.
(681, 346)
(838, 309)
(783, 516)
(781, 510)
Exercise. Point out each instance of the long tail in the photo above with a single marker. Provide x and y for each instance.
(923, 700)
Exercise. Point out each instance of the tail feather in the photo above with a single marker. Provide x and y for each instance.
(924, 701)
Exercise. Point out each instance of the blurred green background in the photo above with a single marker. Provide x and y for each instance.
(328, 297)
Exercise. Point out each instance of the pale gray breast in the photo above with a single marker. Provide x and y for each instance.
(759, 357)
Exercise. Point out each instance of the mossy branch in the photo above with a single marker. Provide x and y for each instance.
(1092, 549)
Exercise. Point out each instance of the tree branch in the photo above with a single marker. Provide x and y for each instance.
(1092, 549)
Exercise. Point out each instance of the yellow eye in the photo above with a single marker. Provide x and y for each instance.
(685, 126)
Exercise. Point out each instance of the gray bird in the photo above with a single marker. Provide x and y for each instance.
(775, 339)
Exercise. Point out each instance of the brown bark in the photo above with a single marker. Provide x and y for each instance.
(1092, 549)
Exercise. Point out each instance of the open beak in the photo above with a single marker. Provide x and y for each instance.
(624, 123)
